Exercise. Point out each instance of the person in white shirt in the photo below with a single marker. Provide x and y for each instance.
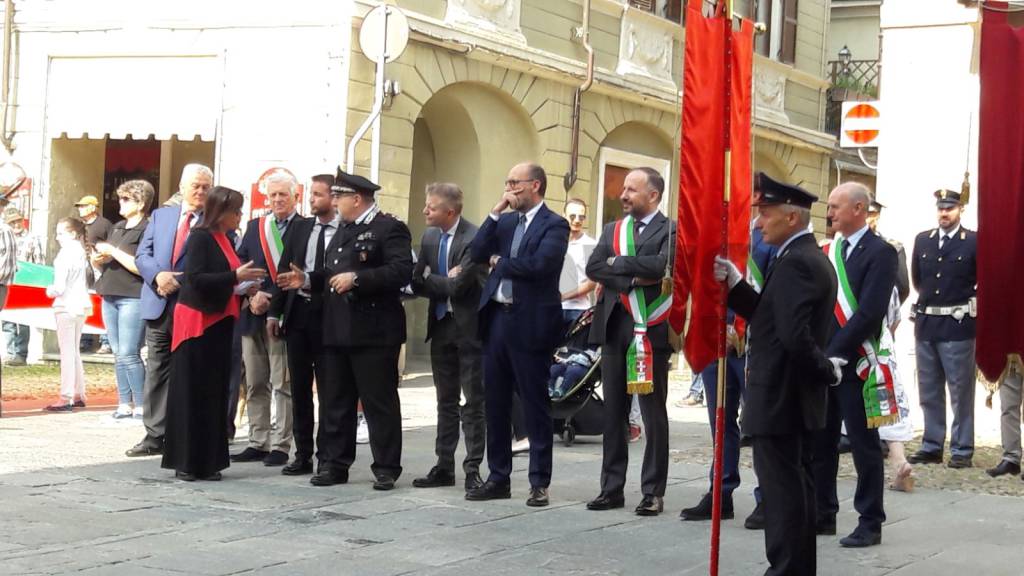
(71, 306)
(576, 288)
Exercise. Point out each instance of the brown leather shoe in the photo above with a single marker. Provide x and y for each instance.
(538, 497)
(650, 506)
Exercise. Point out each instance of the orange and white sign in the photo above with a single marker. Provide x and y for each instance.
(259, 205)
(861, 125)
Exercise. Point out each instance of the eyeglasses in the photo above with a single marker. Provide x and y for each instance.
(577, 217)
(511, 183)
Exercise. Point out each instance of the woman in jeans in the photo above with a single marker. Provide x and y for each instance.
(71, 306)
(120, 285)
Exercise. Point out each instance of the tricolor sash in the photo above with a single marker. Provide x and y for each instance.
(754, 275)
(874, 365)
(639, 356)
(270, 241)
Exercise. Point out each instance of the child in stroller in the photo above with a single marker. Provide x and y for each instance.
(574, 359)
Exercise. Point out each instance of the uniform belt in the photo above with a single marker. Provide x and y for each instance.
(958, 312)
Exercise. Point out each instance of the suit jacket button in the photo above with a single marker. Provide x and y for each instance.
(936, 291)
(940, 258)
(938, 275)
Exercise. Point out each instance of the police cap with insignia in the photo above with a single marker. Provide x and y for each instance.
(875, 207)
(947, 198)
(345, 183)
(774, 192)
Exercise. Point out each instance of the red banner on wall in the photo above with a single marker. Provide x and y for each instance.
(1000, 193)
(258, 203)
(702, 176)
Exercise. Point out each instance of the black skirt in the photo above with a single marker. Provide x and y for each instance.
(197, 403)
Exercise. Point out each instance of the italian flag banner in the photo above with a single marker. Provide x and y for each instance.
(875, 364)
(28, 304)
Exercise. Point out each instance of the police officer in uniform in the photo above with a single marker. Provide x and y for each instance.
(943, 271)
(902, 278)
(369, 261)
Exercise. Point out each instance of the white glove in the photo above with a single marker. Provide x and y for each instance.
(837, 369)
(726, 271)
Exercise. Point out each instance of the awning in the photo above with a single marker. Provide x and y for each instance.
(159, 96)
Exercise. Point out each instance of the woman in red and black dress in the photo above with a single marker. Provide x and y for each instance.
(204, 316)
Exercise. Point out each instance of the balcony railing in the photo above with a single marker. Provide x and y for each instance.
(854, 80)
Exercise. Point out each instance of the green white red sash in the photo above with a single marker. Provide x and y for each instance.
(874, 365)
(272, 244)
(754, 275)
(639, 355)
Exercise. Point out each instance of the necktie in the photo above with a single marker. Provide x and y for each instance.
(441, 308)
(942, 240)
(316, 296)
(517, 239)
(845, 245)
(179, 238)
(282, 224)
(638, 226)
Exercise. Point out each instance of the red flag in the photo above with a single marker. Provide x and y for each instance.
(1000, 193)
(701, 177)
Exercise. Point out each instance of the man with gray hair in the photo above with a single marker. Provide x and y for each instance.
(866, 268)
(160, 260)
(445, 275)
(265, 357)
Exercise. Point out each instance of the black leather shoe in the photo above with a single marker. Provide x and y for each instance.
(538, 497)
(298, 467)
(650, 506)
(959, 462)
(250, 454)
(435, 478)
(922, 457)
(490, 490)
(215, 477)
(756, 519)
(825, 526)
(1004, 467)
(275, 458)
(606, 502)
(861, 538)
(327, 477)
(702, 511)
(187, 477)
(141, 449)
(473, 481)
(384, 482)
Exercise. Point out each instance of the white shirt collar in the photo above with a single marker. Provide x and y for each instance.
(790, 241)
(646, 220)
(949, 234)
(364, 215)
(854, 239)
(451, 231)
(533, 212)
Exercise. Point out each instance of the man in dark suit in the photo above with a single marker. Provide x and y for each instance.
(870, 266)
(945, 277)
(296, 314)
(369, 261)
(445, 275)
(636, 268)
(160, 262)
(788, 371)
(266, 359)
(520, 325)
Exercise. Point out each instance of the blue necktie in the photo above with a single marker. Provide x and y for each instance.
(442, 268)
(845, 246)
(517, 239)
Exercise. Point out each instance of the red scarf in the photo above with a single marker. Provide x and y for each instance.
(191, 323)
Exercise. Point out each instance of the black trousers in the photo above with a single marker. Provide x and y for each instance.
(654, 473)
(370, 374)
(306, 362)
(734, 386)
(457, 364)
(783, 470)
(158, 376)
(508, 367)
(846, 404)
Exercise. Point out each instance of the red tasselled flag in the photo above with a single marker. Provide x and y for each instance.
(702, 211)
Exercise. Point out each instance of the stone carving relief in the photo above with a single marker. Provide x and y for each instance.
(500, 17)
(645, 46)
(770, 94)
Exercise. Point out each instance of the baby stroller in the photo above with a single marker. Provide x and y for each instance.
(576, 408)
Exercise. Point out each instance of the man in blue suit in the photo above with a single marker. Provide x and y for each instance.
(520, 324)
(870, 265)
(160, 262)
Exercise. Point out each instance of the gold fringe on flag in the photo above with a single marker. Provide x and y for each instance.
(879, 421)
(640, 387)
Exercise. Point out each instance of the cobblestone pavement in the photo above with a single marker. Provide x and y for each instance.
(72, 503)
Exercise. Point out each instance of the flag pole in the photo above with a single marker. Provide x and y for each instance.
(716, 508)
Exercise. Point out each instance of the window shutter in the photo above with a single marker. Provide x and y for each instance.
(787, 51)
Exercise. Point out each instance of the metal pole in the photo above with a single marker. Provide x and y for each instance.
(716, 492)
(378, 105)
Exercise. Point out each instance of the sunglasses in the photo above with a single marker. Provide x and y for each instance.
(577, 217)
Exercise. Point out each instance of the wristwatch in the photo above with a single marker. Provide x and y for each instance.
(355, 279)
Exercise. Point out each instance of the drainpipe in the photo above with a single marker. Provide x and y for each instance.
(5, 84)
(583, 33)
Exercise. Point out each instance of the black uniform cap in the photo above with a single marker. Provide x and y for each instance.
(947, 198)
(773, 192)
(347, 183)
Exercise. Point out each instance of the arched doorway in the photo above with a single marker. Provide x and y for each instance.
(468, 133)
(629, 146)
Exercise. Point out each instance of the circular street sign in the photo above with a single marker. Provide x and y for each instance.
(384, 34)
(867, 130)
